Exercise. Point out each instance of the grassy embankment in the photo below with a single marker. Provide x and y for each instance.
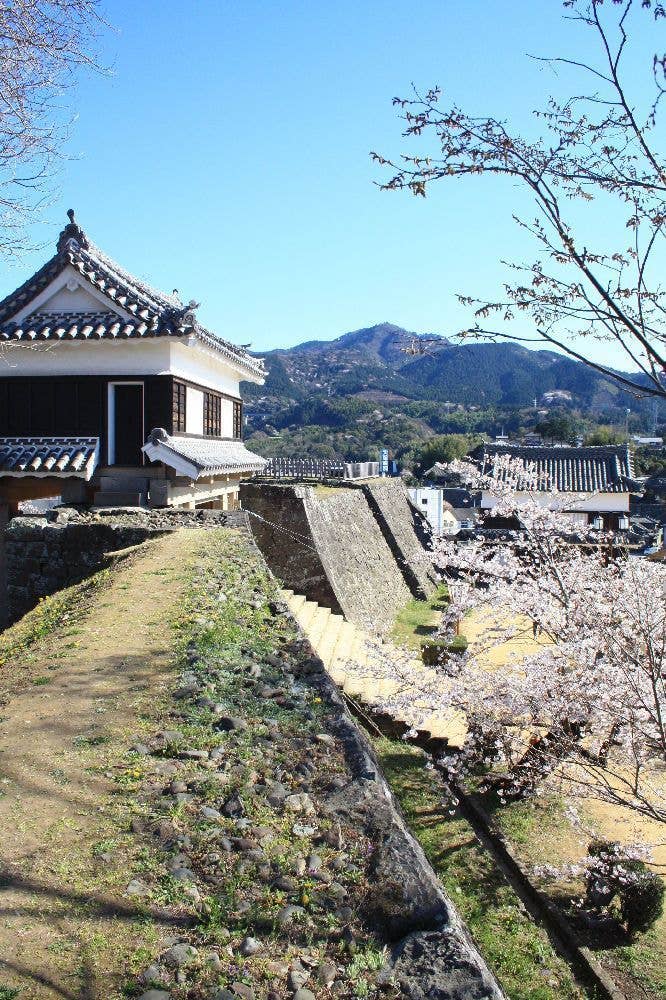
(519, 952)
(137, 814)
(543, 831)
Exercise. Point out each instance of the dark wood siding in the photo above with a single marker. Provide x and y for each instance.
(238, 419)
(60, 405)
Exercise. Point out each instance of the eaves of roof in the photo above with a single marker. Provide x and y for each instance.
(155, 313)
(198, 457)
(47, 457)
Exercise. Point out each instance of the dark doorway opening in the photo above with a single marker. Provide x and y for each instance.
(128, 425)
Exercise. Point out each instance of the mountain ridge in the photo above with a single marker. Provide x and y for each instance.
(384, 386)
(386, 357)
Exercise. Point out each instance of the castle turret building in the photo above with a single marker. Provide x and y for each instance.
(114, 393)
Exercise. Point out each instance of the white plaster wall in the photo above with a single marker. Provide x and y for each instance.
(205, 367)
(82, 357)
(194, 411)
(153, 356)
(227, 429)
(73, 300)
(608, 502)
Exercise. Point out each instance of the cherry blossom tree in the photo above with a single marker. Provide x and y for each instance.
(588, 697)
(600, 144)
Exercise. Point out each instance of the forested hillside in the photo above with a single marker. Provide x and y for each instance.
(385, 386)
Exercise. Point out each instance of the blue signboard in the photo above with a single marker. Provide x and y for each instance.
(383, 462)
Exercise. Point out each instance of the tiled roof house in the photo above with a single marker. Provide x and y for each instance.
(592, 482)
(113, 392)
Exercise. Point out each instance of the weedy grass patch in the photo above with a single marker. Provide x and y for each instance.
(518, 951)
(419, 619)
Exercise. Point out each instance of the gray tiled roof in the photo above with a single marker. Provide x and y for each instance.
(154, 313)
(602, 469)
(81, 326)
(201, 456)
(49, 456)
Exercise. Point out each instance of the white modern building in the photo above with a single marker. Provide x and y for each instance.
(430, 501)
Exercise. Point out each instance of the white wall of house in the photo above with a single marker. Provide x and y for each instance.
(227, 429)
(194, 411)
(430, 501)
(583, 502)
(153, 356)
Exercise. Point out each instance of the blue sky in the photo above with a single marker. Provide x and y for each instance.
(226, 155)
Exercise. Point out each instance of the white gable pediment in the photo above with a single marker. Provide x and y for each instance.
(69, 292)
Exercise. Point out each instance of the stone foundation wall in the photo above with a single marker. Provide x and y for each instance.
(280, 524)
(353, 549)
(406, 531)
(45, 554)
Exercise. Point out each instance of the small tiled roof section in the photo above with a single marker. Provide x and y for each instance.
(153, 313)
(41, 457)
(199, 457)
(81, 326)
(599, 469)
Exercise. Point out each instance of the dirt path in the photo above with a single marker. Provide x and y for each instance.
(64, 919)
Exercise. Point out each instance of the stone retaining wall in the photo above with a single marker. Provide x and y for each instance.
(406, 531)
(354, 549)
(44, 554)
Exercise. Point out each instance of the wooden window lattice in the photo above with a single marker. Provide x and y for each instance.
(179, 415)
(212, 415)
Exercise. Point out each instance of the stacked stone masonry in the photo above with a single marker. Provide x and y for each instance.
(354, 550)
(45, 554)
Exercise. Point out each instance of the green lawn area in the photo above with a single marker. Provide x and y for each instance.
(540, 831)
(518, 951)
(418, 620)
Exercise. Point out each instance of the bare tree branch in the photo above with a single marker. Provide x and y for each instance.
(43, 45)
(594, 145)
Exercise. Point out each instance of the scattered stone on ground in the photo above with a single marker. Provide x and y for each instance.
(259, 859)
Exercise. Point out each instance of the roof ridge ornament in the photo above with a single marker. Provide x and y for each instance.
(188, 313)
(72, 237)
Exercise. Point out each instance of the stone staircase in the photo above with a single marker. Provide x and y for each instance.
(357, 664)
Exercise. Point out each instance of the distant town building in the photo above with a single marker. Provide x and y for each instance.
(430, 501)
(594, 483)
(116, 394)
(647, 442)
